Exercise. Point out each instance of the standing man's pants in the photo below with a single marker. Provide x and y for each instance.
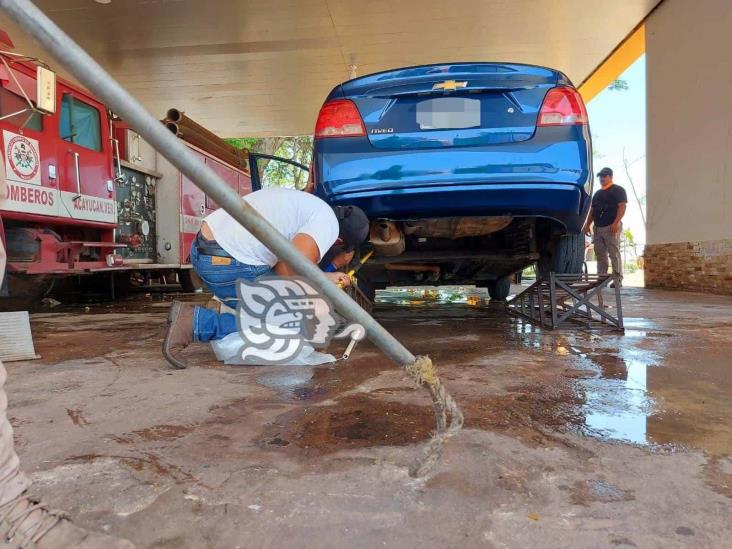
(606, 244)
(12, 481)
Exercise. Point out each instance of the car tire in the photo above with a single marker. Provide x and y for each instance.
(563, 255)
(499, 289)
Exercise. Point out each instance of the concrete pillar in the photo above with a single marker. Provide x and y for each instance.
(689, 202)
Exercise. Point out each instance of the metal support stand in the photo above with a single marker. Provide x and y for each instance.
(559, 301)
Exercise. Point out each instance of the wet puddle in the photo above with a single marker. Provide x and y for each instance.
(354, 421)
(610, 377)
(292, 382)
(617, 408)
(654, 385)
(602, 388)
(316, 383)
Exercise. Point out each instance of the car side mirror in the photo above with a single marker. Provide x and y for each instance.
(45, 90)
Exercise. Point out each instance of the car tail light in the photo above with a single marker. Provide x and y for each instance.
(562, 107)
(339, 118)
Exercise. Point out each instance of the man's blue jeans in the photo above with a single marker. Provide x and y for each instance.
(220, 276)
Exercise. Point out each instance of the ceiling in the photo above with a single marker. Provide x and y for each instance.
(263, 67)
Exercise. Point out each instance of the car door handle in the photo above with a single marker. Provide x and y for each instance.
(78, 176)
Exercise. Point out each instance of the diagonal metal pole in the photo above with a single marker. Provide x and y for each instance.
(94, 77)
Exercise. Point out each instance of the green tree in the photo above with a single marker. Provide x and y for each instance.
(629, 238)
(618, 85)
(279, 174)
(248, 143)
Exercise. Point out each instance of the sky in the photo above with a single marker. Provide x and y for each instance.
(618, 126)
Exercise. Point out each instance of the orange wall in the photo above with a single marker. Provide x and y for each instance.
(623, 57)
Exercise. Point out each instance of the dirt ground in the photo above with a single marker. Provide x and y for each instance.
(572, 439)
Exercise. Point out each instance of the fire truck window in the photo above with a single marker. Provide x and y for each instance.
(11, 103)
(80, 123)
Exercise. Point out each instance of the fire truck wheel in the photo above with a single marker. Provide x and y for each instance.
(26, 292)
(189, 281)
(122, 282)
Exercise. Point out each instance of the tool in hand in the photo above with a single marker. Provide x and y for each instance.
(354, 337)
(356, 267)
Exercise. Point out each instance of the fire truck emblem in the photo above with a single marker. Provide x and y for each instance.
(277, 316)
(23, 159)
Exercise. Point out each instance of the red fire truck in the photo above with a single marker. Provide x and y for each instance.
(86, 194)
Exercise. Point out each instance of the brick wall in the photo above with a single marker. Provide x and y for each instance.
(694, 266)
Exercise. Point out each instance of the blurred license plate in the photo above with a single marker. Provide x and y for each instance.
(448, 113)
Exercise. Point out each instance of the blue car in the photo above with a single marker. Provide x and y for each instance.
(469, 172)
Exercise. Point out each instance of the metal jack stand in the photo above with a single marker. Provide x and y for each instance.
(567, 298)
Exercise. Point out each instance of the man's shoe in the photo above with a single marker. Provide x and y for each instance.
(28, 523)
(180, 332)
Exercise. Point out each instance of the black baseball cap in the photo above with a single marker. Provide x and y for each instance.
(605, 171)
(353, 225)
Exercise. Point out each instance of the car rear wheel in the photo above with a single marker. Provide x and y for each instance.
(563, 255)
(499, 289)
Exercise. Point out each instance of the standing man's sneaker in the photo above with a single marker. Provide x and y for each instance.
(180, 332)
(26, 523)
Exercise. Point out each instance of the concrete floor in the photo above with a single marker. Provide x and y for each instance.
(571, 440)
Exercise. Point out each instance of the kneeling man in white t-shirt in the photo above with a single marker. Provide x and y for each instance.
(224, 252)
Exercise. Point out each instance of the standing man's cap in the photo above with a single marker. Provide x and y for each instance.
(605, 171)
(353, 225)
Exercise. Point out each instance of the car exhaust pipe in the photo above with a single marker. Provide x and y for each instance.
(384, 231)
(387, 238)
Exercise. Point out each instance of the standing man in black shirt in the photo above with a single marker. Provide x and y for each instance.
(607, 211)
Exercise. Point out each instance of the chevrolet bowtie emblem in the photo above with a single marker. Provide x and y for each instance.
(450, 85)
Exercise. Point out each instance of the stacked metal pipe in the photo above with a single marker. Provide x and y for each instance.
(192, 132)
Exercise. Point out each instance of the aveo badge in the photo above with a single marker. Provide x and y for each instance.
(22, 159)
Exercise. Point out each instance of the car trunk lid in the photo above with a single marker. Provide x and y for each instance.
(451, 105)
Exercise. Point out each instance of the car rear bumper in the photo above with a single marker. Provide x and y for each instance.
(565, 203)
